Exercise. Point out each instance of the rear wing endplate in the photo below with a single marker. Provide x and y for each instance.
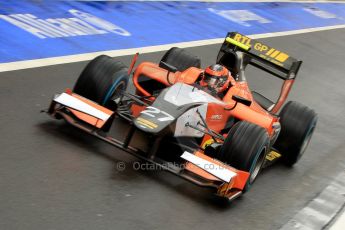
(260, 55)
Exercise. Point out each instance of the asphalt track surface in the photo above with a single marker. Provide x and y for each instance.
(53, 176)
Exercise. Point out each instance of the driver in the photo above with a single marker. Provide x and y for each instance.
(217, 79)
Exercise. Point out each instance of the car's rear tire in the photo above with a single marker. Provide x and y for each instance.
(180, 59)
(245, 149)
(298, 123)
(101, 79)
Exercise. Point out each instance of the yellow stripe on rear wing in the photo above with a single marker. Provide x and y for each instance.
(237, 43)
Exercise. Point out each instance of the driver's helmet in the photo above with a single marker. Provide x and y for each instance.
(216, 77)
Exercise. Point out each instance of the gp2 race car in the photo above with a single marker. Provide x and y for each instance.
(218, 142)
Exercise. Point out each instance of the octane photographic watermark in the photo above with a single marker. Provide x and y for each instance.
(147, 166)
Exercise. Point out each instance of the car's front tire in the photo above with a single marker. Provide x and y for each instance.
(102, 79)
(245, 149)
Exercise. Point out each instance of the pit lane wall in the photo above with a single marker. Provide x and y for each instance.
(43, 29)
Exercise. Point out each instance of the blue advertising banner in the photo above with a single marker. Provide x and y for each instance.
(41, 29)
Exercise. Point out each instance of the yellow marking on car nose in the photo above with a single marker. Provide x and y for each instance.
(146, 123)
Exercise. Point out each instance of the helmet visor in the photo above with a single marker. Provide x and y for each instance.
(213, 81)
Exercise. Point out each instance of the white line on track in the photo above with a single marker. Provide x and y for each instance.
(340, 222)
(17, 65)
(319, 212)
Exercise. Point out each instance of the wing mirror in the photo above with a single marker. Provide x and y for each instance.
(241, 100)
(167, 66)
(238, 99)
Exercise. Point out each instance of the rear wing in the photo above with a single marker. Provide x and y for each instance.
(262, 56)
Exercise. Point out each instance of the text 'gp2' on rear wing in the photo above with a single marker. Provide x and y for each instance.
(256, 53)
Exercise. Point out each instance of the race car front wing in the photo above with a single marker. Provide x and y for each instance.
(198, 168)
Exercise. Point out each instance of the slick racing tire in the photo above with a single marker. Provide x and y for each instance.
(180, 59)
(245, 148)
(298, 123)
(102, 80)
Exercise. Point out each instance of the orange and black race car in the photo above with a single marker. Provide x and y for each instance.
(217, 139)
